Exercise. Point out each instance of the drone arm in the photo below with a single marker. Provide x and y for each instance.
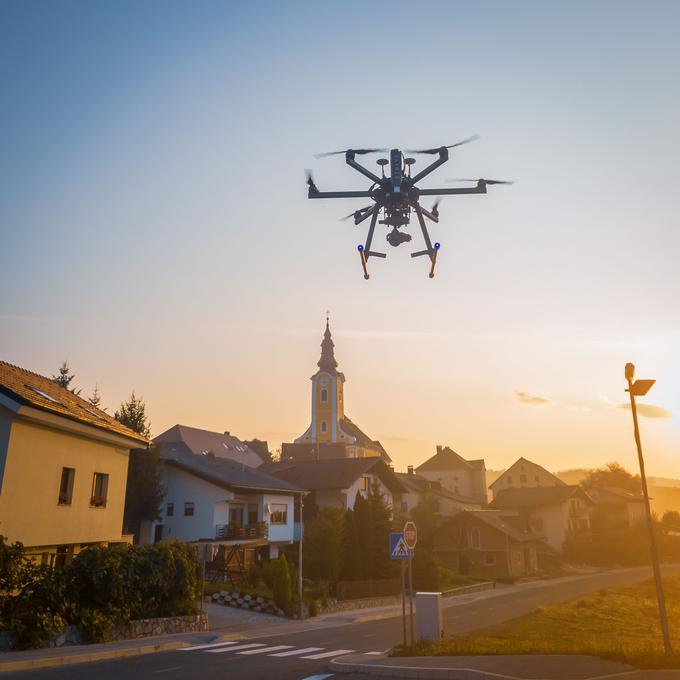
(339, 194)
(443, 157)
(366, 215)
(427, 213)
(349, 159)
(479, 189)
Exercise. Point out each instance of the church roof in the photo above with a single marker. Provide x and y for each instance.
(223, 445)
(362, 439)
(327, 361)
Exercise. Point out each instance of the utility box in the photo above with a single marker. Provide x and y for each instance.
(429, 620)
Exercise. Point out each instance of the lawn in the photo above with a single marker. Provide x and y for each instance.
(620, 624)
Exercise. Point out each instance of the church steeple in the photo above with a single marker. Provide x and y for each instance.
(327, 361)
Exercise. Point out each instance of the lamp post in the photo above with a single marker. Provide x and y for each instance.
(300, 557)
(638, 389)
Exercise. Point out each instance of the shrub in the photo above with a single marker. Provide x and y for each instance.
(283, 595)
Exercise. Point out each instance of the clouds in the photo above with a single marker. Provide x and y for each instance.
(530, 399)
(648, 410)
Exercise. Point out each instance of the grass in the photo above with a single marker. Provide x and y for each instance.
(211, 587)
(620, 624)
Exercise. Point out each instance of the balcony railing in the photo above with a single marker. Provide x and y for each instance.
(236, 532)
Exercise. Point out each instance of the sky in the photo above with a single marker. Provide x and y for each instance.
(155, 229)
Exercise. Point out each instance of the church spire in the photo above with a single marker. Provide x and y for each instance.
(327, 361)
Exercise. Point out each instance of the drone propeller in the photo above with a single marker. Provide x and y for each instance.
(354, 212)
(435, 207)
(485, 181)
(360, 152)
(450, 146)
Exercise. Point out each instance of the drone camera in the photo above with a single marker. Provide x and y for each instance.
(396, 238)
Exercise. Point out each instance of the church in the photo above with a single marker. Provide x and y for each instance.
(331, 434)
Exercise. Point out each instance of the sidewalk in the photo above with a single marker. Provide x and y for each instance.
(520, 667)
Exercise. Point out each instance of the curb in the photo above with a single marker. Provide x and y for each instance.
(461, 673)
(88, 657)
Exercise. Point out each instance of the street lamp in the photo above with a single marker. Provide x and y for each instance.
(638, 389)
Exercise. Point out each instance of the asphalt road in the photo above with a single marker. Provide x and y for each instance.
(298, 655)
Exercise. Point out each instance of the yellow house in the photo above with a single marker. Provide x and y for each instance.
(63, 467)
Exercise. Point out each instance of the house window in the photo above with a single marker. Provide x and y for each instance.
(509, 481)
(324, 395)
(100, 487)
(522, 479)
(489, 560)
(365, 484)
(404, 506)
(189, 509)
(474, 537)
(66, 485)
(324, 426)
(278, 513)
(170, 510)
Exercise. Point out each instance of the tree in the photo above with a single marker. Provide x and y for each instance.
(380, 517)
(283, 594)
(323, 545)
(427, 518)
(132, 414)
(64, 378)
(144, 493)
(671, 518)
(614, 475)
(96, 398)
(352, 566)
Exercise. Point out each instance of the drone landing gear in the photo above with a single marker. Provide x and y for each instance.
(365, 251)
(431, 251)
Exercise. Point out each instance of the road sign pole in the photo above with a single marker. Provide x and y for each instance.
(410, 594)
(403, 600)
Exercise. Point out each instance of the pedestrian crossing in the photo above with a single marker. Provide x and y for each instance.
(242, 648)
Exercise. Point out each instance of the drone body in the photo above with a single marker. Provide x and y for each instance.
(396, 196)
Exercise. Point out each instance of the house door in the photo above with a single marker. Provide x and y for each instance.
(158, 533)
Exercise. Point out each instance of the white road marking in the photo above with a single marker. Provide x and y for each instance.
(318, 677)
(335, 652)
(306, 650)
(372, 653)
(167, 670)
(233, 649)
(214, 644)
(267, 649)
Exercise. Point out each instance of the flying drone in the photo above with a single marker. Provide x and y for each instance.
(396, 195)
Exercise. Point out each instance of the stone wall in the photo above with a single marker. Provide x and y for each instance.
(250, 602)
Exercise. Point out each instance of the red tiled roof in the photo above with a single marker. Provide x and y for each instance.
(30, 389)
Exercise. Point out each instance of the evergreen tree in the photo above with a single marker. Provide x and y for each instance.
(323, 545)
(380, 517)
(64, 378)
(132, 414)
(96, 398)
(283, 594)
(352, 567)
(144, 492)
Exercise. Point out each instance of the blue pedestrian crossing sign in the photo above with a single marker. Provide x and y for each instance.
(398, 548)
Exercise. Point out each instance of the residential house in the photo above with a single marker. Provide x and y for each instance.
(466, 478)
(336, 482)
(487, 543)
(63, 468)
(220, 444)
(419, 489)
(616, 508)
(522, 474)
(329, 424)
(215, 500)
(554, 512)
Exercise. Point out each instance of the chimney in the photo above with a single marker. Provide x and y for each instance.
(227, 433)
(410, 469)
(439, 448)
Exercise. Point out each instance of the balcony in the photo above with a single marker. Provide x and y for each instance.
(236, 532)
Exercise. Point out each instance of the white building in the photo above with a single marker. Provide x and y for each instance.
(216, 499)
(523, 474)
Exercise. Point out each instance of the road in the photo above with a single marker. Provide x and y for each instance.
(298, 655)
